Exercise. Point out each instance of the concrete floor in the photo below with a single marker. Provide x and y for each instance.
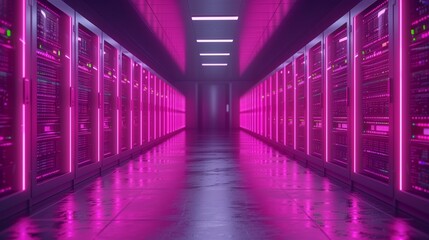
(214, 186)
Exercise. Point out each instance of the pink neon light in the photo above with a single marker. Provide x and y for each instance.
(342, 39)
(24, 135)
(327, 99)
(117, 101)
(70, 85)
(356, 55)
(381, 12)
(294, 105)
(141, 104)
(401, 79)
(99, 104)
(308, 100)
(131, 104)
(148, 106)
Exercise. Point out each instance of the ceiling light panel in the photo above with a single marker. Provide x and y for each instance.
(215, 40)
(216, 18)
(215, 54)
(214, 64)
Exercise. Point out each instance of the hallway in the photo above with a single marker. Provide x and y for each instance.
(213, 186)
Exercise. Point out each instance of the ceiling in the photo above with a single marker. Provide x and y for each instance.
(162, 34)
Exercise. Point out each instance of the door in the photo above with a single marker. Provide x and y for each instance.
(214, 108)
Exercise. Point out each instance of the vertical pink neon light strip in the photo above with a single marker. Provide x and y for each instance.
(70, 85)
(294, 104)
(284, 104)
(24, 134)
(155, 113)
(277, 107)
(356, 55)
(117, 101)
(401, 79)
(131, 102)
(98, 99)
(327, 69)
(141, 105)
(148, 106)
(306, 62)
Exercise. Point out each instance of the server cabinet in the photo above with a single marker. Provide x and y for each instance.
(87, 92)
(290, 105)
(53, 103)
(14, 107)
(301, 103)
(372, 83)
(337, 98)
(156, 110)
(145, 105)
(315, 92)
(267, 110)
(125, 99)
(136, 105)
(413, 85)
(281, 106)
(110, 102)
(152, 107)
(161, 108)
(273, 107)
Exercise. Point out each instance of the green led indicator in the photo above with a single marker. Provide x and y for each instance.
(414, 39)
(8, 33)
(424, 27)
(412, 31)
(363, 52)
(59, 53)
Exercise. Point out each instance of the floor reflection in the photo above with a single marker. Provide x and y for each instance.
(213, 186)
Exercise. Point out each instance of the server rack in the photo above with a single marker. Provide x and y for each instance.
(274, 112)
(301, 102)
(315, 52)
(111, 104)
(136, 105)
(152, 107)
(161, 108)
(14, 110)
(125, 102)
(281, 106)
(337, 99)
(145, 105)
(53, 101)
(87, 92)
(290, 105)
(156, 107)
(413, 125)
(372, 98)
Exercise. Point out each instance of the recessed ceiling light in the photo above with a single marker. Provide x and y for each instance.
(215, 54)
(216, 18)
(214, 64)
(214, 40)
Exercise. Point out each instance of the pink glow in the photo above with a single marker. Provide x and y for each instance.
(99, 103)
(260, 21)
(24, 135)
(327, 68)
(160, 15)
(307, 62)
(131, 103)
(294, 103)
(342, 39)
(356, 55)
(141, 106)
(117, 101)
(401, 79)
(148, 105)
(70, 85)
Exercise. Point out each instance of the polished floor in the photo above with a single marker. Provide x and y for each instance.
(214, 186)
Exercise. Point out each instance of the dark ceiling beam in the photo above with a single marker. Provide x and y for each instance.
(119, 20)
(306, 20)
